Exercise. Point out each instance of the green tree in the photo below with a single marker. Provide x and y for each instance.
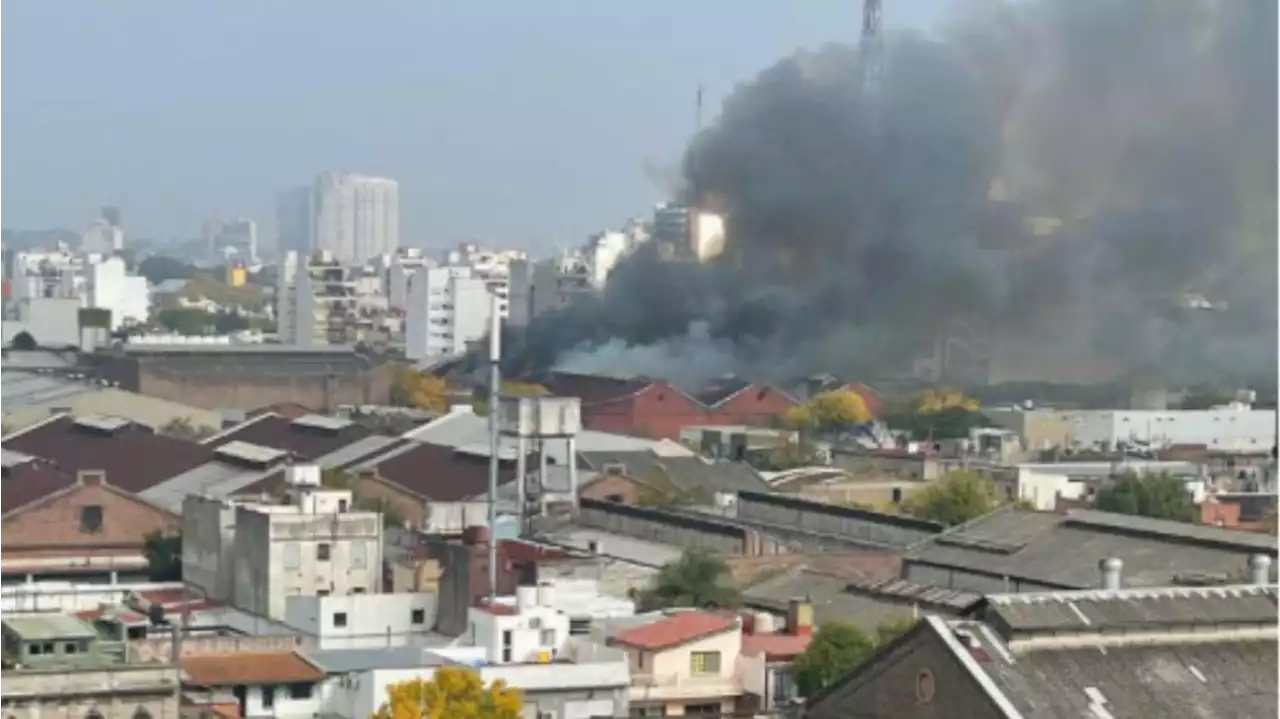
(1154, 495)
(837, 648)
(335, 479)
(894, 628)
(182, 427)
(697, 579)
(452, 693)
(23, 341)
(955, 498)
(163, 553)
(157, 269)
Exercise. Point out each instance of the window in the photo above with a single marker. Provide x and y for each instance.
(418, 616)
(322, 592)
(268, 696)
(342, 506)
(91, 518)
(548, 638)
(506, 645)
(141, 713)
(292, 555)
(579, 627)
(70, 648)
(897, 495)
(339, 619)
(300, 691)
(357, 590)
(322, 551)
(702, 709)
(705, 663)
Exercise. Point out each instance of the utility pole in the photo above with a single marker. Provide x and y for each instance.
(495, 389)
(871, 49)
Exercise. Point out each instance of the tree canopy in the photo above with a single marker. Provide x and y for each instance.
(23, 341)
(182, 427)
(1154, 495)
(163, 553)
(838, 648)
(949, 423)
(697, 579)
(422, 390)
(826, 411)
(955, 498)
(157, 269)
(453, 693)
(932, 401)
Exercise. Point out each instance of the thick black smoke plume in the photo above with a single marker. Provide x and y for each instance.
(1075, 188)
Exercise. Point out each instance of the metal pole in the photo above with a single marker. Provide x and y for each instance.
(495, 389)
(522, 469)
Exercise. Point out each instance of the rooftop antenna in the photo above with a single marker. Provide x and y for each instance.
(871, 48)
(697, 113)
(495, 389)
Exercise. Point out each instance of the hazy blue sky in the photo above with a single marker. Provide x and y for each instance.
(522, 121)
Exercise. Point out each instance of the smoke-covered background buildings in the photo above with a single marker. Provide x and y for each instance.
(1063, 190)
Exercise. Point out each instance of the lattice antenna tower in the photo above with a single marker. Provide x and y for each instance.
(871, 52)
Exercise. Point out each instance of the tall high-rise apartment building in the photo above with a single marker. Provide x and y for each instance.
(355, 217)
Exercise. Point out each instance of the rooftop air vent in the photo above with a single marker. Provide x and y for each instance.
(322, 422)
(102, 423)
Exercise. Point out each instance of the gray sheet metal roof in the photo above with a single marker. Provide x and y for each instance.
(1059, 550)
(464, 429)
(214, 479)
(830, 597)
(1133, 609)
(342, 661)
(357, 450)
(1201, 677)
(689, 473)
(48, 626)
(22, 389)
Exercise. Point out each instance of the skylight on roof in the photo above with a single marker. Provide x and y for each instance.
(102, 423)
(320, 421)
(249, 452)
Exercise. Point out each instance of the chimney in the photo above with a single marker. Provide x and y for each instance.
(800, 617)
(1110, 569)
(1260, 570)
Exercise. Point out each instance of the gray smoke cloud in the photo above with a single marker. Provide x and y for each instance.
(861, 230)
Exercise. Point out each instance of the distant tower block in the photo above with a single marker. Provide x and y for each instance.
(541, 419)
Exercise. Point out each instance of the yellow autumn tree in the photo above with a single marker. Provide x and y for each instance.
(828, 410)
(933, 401)
(453, 693)
(514, 388)
(422, 390)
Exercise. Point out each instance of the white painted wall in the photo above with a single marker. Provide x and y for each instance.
(371, 620)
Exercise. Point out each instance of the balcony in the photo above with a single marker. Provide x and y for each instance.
(668, 687)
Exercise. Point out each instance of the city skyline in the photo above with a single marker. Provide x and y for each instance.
(567, 123)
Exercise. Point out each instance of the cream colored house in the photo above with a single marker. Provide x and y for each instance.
(698, 662)
(112, 402)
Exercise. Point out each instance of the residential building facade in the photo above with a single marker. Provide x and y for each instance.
(355, 217)
(448, 308)
(313, 544)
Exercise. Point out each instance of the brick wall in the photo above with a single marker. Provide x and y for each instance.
(160, 649)
(888, 688)
(214, 390)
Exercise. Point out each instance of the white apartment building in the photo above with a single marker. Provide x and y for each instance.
(689, 232)
(231, 238)
(540, 286)
(111, 287)
(401, 267)
(527, 645)
(1232, 428)
(448, 307)
(316, 300)
(355, 217)
(56, 273)
(102, 237)
(256, 555)
(363, 621)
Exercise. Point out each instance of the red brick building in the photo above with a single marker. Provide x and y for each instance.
(657, 408)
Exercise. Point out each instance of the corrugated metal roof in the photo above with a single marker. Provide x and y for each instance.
(23, 389)
(214, 479)
(48, 626)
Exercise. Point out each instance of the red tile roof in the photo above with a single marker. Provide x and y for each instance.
(251, 668)
(442, 473)
(595, 389)
(674, 629)
(779, 647)
(497, 608)
(30, 482)
(284, 434)
(134, 457)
